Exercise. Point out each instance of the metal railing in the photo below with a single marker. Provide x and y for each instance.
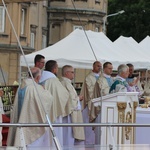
(73, 125)
(94, 147)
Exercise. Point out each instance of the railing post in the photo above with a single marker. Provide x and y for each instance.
(113, 146)
(22, 140)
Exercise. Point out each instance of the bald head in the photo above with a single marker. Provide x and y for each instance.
(36, 73)
(97, 67)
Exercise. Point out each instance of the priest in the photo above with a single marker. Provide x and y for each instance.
(32, 103)
(120, 84)
(51, 83)
(88, 93)
(73, 135)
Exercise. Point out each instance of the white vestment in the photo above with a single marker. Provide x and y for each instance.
(67, 132)
(88, 92)
(103, 84)
(35, 102)
(61, 96)
(46, 75)
(147, 88)
(103, 87)
(42, 143)
(74, 109)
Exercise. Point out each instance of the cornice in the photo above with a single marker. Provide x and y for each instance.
(15, 48)
(79, 10)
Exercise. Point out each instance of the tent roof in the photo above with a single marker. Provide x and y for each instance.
(145, 44)
(130, 48)
(76, 51)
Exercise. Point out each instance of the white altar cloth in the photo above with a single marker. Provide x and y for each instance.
(142, 133)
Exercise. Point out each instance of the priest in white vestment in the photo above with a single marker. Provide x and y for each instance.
(32, 103)
(105, 80)
(120, 84)
(88, 93)
(102, 88)
(74, 107)
(60, 94)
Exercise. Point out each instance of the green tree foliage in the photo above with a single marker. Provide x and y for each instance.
(135, 22)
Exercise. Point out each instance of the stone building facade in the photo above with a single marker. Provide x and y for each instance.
(66, 15)
(30, 24)
(40, 24)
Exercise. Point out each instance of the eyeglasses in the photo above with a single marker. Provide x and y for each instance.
(71, 71)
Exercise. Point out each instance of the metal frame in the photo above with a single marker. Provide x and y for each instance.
(74, 124)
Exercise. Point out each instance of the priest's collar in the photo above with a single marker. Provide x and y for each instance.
(66, 79)
(46, 75)
(106, 76)
(96, 74)
(119, 77)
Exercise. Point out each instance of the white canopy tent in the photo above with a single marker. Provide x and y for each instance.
(145, 45)
(135, 54)
(76, 51)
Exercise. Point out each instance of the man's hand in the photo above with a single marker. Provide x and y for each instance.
(135, 81)
(81, 97)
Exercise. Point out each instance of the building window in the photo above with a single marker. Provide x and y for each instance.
(43, 41)
(77, 27)
(32, 37)
(23, 19)
(105, 7)
(97, 29)
(97, 1)
(2, 18)
(55, 33)
(45, 3)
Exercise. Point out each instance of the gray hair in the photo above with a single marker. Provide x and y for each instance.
(65, 69)
(35, 72)
(122, 68)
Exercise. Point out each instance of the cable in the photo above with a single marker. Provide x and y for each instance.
(99, 117)
(84, 30)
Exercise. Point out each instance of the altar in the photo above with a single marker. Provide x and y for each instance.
(117, 108)
(142, 133)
